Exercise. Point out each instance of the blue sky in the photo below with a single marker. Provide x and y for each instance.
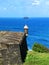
(21, 8)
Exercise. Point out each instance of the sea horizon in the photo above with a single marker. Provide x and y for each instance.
(38, 29)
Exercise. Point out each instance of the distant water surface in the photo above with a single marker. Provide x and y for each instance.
(38, 29)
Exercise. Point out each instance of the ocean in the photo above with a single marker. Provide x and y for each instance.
(38, 29)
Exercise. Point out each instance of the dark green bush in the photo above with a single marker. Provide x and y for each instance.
(40, 48)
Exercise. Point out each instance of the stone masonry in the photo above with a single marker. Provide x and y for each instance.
(13, 48)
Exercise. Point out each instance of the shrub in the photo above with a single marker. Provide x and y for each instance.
(39, 48)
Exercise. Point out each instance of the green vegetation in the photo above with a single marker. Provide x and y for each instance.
(40, 48)
(36, 58)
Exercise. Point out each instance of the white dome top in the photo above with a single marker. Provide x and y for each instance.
(25, 27)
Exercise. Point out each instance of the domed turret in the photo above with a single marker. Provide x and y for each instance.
(26, 30)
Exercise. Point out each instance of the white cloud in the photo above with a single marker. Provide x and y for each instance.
(4, 8)
(36, 2)
(47, 2)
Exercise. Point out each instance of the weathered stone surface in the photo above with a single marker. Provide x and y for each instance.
(12, 45)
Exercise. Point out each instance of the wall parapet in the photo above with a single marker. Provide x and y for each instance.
(13, 48)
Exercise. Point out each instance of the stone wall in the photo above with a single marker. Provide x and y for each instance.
(13, 52)
(11, 55)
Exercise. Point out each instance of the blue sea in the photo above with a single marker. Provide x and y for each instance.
(38, 29)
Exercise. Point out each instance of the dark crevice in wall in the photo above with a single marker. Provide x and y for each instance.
(23, 49)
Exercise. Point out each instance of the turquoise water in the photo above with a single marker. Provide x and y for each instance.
(38, 29)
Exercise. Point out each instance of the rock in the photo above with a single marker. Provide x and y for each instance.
(12, 45)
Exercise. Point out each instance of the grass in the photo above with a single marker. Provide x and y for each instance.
(40, 48)
(36, 58)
